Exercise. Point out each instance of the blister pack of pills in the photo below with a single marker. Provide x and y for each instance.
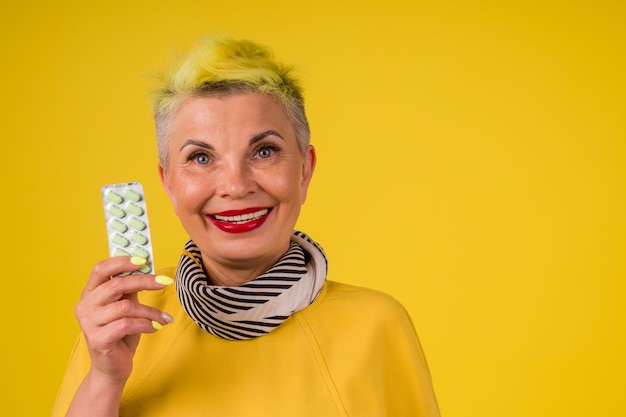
(127, 224)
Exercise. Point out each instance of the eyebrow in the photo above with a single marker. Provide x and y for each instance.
(263, 135)
(253, 140)
(198, 143)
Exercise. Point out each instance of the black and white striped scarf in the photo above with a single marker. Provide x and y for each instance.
(258, 306)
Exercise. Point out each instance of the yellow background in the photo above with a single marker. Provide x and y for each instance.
(472, 162)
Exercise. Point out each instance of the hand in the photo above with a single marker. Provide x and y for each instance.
(112, 319)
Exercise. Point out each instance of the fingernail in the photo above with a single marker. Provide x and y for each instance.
(164, 280)
(167, 317)
(138, 260)
(156, 325)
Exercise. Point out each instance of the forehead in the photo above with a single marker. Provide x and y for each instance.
(234, 111)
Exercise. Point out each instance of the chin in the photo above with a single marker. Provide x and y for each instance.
(248, 249)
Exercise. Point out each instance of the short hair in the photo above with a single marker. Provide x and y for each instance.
(222, 66)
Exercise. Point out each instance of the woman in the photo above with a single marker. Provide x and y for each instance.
(249, 326)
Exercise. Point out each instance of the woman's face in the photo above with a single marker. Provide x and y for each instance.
(236, 179)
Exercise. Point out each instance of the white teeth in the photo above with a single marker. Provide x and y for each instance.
(242, 218)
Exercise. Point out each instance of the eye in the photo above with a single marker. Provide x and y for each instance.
(266, 151)
(200, 158)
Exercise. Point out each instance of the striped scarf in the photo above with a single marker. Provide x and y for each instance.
(258, 306)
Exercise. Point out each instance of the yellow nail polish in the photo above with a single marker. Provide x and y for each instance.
(156, 325)
(138, 260)
(164, 280)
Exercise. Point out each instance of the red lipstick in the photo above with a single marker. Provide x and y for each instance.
(240, 221)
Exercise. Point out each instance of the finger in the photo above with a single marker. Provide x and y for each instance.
(125, 308)
(104, 270)
(118, 287)
(109, 334)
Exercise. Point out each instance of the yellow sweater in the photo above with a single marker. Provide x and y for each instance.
(353, 352)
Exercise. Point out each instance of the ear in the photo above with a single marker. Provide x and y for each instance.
(308, 166)
(167, 186)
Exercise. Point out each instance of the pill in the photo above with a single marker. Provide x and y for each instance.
(131, 195)
(145, 269)
(118, 225)
(116, 211)
(137, 251)
(136, 223)
(138, 238)
(113, 197)
(120, 240)
(120, 252)
(134, 209)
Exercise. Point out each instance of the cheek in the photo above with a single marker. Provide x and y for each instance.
(189, 195)
(289, 188)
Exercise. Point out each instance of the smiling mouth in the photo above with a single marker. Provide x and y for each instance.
(240, 221)
(242, 218)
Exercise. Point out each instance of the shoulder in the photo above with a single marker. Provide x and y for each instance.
(340, 290)
(361, 299)
(366, 340)
(353, 308)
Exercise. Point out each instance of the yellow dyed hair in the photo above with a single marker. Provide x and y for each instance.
(222, 65)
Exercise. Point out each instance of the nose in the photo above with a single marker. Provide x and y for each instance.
(235, 181)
